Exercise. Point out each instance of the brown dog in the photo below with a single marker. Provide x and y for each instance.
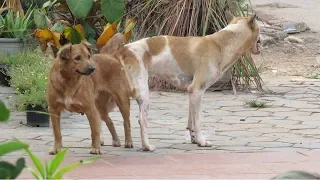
(91, 85)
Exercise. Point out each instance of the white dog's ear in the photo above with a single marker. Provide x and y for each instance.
(229, 16)
(115, 43)
(65, 52)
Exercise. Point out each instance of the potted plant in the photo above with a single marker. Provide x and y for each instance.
(13, 27)
(29, 79)
(4, 68)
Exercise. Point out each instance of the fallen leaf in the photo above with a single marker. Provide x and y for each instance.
(129, 25)
(109, 31)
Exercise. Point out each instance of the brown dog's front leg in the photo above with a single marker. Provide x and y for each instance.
(95, 123)
(55, 121)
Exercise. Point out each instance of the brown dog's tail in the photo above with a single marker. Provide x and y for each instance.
(133, 89)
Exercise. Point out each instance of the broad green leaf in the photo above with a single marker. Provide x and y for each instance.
(89, 32)
(11, 146)
(80, 8)
(36, 161)
(68, 168)
(4, 173)
(4, 112)
(112, 10)
(20, 165)
(41, 20)
(5, 170)
(55, 163)
(74, 34)
(58, 26)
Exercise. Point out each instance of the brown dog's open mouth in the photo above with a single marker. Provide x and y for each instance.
(82, 73)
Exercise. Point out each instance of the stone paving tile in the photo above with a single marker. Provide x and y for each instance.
(269, 144)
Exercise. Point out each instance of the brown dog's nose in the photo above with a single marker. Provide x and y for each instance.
(91, 68)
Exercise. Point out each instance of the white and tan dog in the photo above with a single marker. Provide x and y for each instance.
(191, 63)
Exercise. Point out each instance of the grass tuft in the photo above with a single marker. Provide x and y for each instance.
(253, 103)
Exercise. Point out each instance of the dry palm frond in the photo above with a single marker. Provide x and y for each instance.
(192, 18)
(15, 5)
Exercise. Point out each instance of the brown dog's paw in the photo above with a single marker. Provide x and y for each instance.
(102, 142)
(128, 144)
(95, 151)
(54, 151)
(116, 143)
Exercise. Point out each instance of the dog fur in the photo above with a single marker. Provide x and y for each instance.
(91, 85)
(190, 63)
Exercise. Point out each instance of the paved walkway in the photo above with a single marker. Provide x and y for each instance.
(290, 124)
(195, 166)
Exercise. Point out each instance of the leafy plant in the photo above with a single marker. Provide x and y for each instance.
(62, 21)
(50, 170)
(13, 25)
(29, 78)
(256, 104)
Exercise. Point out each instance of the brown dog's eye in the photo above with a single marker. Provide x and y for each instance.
(77, 58)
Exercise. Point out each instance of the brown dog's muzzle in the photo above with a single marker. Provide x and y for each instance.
(90, 69)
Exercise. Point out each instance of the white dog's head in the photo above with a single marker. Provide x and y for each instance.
(252, 25)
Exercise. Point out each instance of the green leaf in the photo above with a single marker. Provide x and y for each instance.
(5, 170)
(58, 26)
(80, 8)
(112, 10)
(4, 173)
(48, 4)
(89, 32)
(41, 20)
(55, 163)
(61, 172)
(20, 165)
(34, 173)
(36, 161)
(75, 36)
(4, 112)
(11, 146)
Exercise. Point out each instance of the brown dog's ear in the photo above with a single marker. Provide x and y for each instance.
(88, 46)
(229, 16)
(65, 52)
(251, 20)
(115, 43)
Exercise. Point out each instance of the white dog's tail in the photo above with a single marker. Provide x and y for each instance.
(133, 89)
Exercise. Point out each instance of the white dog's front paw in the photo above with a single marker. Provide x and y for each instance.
(148, 147)
(116, 143)
(204, 144)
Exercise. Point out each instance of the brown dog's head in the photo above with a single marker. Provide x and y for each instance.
(253, 26)
(76, 59)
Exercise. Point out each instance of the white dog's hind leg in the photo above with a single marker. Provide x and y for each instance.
(190, 127)
(143, 102)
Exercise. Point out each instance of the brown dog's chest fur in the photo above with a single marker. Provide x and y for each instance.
(76, 92)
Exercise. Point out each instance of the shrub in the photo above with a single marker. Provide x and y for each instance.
(29, 77)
